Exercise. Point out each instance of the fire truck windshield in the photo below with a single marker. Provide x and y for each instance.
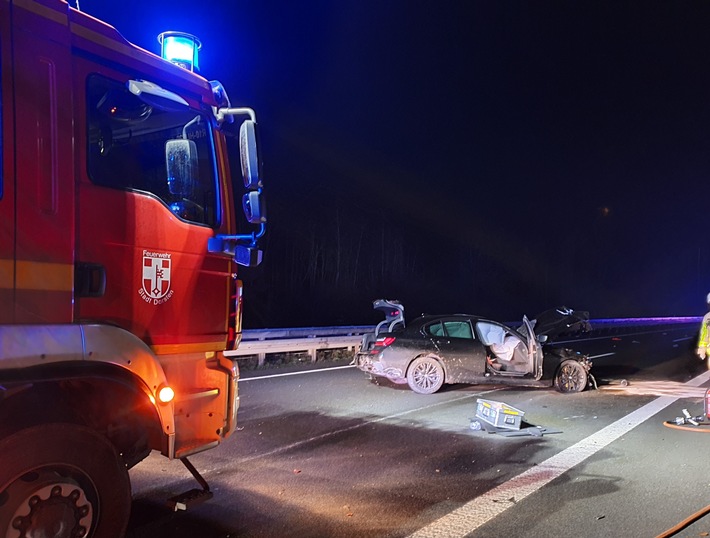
(167, 153)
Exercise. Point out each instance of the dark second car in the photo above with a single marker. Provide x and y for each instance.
(433, 350)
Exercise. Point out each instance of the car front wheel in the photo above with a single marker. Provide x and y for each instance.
(425, 375)
(571, 377)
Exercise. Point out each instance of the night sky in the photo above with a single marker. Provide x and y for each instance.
(494, 158)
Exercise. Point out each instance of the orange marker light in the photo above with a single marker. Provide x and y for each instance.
(166, 394)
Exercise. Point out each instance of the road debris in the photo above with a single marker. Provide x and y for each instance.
(505, 420)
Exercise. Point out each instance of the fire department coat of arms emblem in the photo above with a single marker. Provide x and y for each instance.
(156, 276)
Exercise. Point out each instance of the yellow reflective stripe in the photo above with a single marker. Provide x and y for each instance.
(7, 271)
(37, 276)
(703, 335)
(42, 11)
(174, 349)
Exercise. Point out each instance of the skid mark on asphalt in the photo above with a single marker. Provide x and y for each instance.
(480, 510)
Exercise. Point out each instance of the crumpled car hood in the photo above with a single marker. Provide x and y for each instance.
(554, 322)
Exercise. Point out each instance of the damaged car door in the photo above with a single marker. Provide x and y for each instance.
(534, 348)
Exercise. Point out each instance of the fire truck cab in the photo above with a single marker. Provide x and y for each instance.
(119, 242)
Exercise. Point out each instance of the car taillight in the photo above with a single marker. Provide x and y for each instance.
(385, 341)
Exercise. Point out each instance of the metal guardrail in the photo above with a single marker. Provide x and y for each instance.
(250, 335)
(261, 342)
(294, 344)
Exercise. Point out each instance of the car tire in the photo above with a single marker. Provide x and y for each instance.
(425, 375)
(62, 477)
(571, 377)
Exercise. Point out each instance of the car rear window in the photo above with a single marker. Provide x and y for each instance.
(435, 329)
(452, 329)
(459, 329)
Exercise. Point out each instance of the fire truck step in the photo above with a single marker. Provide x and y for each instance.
(189, 499)
(194, 496)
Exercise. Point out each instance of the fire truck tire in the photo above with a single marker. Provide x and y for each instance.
(62, 480)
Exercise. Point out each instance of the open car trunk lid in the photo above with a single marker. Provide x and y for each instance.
(394, 319)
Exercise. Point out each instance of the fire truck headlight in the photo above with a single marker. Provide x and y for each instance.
(166, 394)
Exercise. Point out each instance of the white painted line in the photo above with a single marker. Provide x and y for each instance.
(480, 510)
(602, 355)
(684, 339)
(317, 370)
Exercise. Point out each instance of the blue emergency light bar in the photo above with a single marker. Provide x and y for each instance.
(181, 49)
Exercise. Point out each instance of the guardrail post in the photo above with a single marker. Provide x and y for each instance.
(261, 356)
(312, 353)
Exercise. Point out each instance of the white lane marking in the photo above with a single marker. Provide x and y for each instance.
(602, 355)
(480, 510)
(362, 424)
(684, 339)
(318, 370)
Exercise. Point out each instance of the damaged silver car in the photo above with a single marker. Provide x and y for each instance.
(461, 348)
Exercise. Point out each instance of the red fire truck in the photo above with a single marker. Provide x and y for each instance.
(119, 242)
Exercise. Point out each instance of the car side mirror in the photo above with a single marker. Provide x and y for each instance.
(542, 338)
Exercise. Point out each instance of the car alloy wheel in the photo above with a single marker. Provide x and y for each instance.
(571, 377)
(425, 375)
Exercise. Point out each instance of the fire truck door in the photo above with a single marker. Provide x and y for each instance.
(146, 228)
(44, 179)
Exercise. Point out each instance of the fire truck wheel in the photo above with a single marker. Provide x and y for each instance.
(62, 480)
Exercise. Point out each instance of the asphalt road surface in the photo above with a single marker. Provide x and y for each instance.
(332, 453)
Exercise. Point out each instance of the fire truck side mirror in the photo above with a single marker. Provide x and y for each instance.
(244, 247)
(247, 256)
(181, 166)
(249, 155)
(254, 207)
